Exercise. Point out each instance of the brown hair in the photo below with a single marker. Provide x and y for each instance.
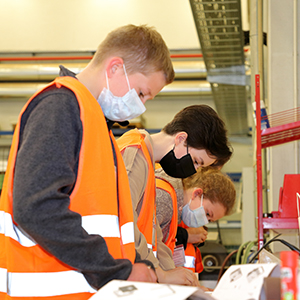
(205, 130)
(142, 49)
(216, 186)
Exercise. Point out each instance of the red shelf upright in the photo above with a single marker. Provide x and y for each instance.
(283, 127)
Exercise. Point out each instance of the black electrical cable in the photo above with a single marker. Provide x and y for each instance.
(274, 239)
(292, 247)
(263, 247)
(219, 232)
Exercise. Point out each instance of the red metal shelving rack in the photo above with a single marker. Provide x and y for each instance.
(284, 127)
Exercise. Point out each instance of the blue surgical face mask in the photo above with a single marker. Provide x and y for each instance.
(194, 218)
(121, 108)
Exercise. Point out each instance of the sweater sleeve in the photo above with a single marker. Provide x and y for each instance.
(182, 237)
(45, 174)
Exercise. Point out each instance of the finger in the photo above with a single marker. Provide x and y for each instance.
(153, 275)
(185, 276)
(192, 278)
(194, 281)
(189, 277)
(205, 289)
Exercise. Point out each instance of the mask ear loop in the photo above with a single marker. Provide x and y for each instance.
(202, 200)
(187, 148)
(106, 80)
(126, 77)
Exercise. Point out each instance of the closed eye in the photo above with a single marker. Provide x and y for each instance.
(199, 163)
(209, 217)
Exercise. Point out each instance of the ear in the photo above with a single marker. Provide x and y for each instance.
(197, 192)
(180, 137)
(113, 65)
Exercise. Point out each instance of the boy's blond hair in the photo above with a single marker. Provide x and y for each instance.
(142, 49)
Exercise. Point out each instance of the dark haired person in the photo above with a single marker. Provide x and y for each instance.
(195, 138)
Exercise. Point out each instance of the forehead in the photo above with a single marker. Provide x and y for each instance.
(154, 81)
(202, 155)
(217, 208)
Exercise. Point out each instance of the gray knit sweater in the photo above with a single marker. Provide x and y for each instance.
(45, 174)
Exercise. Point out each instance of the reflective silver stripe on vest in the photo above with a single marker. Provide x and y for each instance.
(3, 280)
(43, 284)
(127, 231)
(8, 228)
(104, 225)
(189, 261)
(108, 226)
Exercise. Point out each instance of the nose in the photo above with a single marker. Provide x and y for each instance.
(145, 98)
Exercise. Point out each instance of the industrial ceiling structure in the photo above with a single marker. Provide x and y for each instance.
(217, 72)
(220, 33)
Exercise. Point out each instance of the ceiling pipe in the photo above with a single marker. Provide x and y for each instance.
(177, 88)
(34, 58)
(88, 57)
(48, 71)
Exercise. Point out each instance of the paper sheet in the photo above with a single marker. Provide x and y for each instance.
(120, 289)
(243, 282)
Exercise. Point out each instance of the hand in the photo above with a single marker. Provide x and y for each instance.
(196, 235)
(178, 275)
(141, 272)
(205, 289)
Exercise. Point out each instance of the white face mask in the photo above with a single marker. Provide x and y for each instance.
(121, 108)
(194, 218)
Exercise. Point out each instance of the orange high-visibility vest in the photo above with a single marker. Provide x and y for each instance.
(193, 259)
(27, 271)
(146, 218)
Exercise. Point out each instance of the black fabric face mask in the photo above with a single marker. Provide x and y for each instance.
(178, 167)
